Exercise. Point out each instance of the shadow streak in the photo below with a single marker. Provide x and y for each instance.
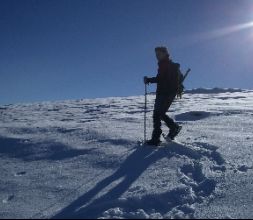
(27, 151)
(131, 170)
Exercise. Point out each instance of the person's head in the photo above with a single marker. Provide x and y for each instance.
(161, 53)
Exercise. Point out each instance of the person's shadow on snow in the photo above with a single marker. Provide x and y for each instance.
(131, 170)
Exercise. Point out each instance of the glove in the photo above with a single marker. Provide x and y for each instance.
(146, 80)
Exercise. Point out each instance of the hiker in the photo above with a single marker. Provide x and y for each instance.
(168, 83)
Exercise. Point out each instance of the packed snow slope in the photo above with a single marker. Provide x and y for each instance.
(80, 159)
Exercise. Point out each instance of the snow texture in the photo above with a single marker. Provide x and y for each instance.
(81, 159)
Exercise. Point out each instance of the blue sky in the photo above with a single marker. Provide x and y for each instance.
(71, 49)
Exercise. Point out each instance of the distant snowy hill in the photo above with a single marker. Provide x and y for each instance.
(80, 159)
(213, 90)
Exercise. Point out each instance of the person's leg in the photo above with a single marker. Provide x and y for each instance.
(166, 105)
(169, 121)
(173, 126)
(162, 104)
(156, 126)
(156, 122)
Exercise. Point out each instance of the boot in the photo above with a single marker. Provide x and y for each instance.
(174, 131)
(155, 138)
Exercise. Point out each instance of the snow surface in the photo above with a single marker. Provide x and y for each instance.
(80, 159)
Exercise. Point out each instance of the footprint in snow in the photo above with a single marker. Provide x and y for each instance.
(244, 168)
(20, 173)
(11, 197)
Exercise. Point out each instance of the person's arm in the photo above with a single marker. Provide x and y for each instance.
(148, 80)
(153, 79)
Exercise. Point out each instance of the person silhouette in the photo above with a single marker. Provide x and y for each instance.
(168, 82)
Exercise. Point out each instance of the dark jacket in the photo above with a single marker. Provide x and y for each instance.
(167, 78)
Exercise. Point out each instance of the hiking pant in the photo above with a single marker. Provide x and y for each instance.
(162, 104)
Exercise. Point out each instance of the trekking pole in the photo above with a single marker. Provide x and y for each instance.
(145, 114)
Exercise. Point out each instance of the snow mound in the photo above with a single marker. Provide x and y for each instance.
(193, 115)
(173, 204)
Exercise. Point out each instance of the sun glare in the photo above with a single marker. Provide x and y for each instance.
(231, 29)
(221, 32)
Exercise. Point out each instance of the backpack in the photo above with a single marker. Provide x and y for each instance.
(180, 81)
(178, 77)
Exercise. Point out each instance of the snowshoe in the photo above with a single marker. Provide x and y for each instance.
(153, 142)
